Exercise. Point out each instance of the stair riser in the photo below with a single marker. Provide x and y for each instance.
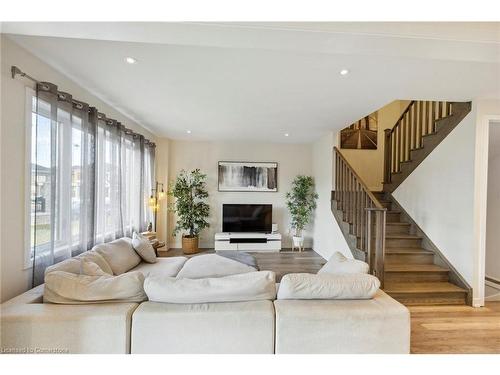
(430, 298)
(409, 258)
(387, 205)
(399, 242)
(415, 276)
(392, 217)
(397, 229)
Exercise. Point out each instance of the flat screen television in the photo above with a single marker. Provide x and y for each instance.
(247, 218)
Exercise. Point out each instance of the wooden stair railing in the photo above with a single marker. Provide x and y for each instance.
(363, 211)
(417, 121)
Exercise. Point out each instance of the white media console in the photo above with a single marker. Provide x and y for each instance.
(248, 241)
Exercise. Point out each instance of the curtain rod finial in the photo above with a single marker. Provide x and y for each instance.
(14, 70)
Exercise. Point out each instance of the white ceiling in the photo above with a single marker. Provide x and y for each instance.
(257, 81)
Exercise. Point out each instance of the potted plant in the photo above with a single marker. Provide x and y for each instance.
(190, 193)
(301, 202)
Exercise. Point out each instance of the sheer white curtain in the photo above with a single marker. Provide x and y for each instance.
(91, 178)
(125, 173)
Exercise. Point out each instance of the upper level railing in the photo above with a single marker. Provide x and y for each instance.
(417, 121)
(363, 211)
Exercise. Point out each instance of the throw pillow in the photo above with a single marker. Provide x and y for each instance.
(328, 286)
(68, 288)
(142, 246)
(119, 254)
(338, 263)
(252, 286)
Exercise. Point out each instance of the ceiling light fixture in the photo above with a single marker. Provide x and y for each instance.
(130, 60)
(344, 72)
(188, 131)
(286, 134)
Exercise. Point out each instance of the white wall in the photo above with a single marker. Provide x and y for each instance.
(369, 164)
(14, 278)
(292, 159)
(327, 235)
(493, 205)
(439, 196)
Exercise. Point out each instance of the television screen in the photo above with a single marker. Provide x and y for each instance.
(247, 217)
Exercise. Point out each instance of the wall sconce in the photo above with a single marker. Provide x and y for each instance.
(157, 195)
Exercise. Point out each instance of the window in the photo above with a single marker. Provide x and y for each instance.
(89, 180)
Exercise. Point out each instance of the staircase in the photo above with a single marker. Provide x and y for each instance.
(410, 267)
(410, 273)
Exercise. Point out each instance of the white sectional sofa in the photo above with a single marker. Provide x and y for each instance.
(30, 326)
(378, 325)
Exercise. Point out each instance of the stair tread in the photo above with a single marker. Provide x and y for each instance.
(403, 236)
(396, 267)
(407, 250)
(422, 287)
(397, 223)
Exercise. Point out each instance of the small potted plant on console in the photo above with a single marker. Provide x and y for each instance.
(190, 193)
(301, 202)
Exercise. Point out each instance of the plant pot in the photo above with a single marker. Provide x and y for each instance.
(298, 242)
(190, 244)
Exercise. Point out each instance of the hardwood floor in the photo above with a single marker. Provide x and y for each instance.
(434, 329)
(455, 329)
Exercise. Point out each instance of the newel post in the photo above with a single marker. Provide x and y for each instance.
(387, 155)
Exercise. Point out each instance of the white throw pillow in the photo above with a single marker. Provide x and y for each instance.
(212, 265)
(119, 254)
(250, 286)
(328, 286)
(68, 288)
(142, 246)
(338, 263)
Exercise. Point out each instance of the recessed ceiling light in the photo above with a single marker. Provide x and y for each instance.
(344, 72)
(130, 60)
(286, 134)
(188, 131)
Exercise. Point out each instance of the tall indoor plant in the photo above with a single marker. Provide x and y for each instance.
(301, 202)
(190, 192)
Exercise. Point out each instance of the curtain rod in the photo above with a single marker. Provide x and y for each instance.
(15, 71)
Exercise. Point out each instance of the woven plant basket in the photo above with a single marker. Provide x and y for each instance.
(189, 245)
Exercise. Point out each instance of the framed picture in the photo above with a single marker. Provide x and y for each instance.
(248, 176)
(361, 135)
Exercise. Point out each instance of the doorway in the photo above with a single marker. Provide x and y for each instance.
(492, 253)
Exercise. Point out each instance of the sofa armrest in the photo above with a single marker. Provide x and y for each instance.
(51, 328)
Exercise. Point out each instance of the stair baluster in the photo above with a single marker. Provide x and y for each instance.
(363, 211)
(417, 121)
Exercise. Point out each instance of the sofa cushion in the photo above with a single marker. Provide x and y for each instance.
(68, 288)
(338, 263)
(75, 265)
(204, 328)
(143, 247)
(90, 268)
(251, 286)
(71, 265)
(328, 286)
(212, 265)
(168, 266)
(378, 325)
(119, 254)
(98, 259)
